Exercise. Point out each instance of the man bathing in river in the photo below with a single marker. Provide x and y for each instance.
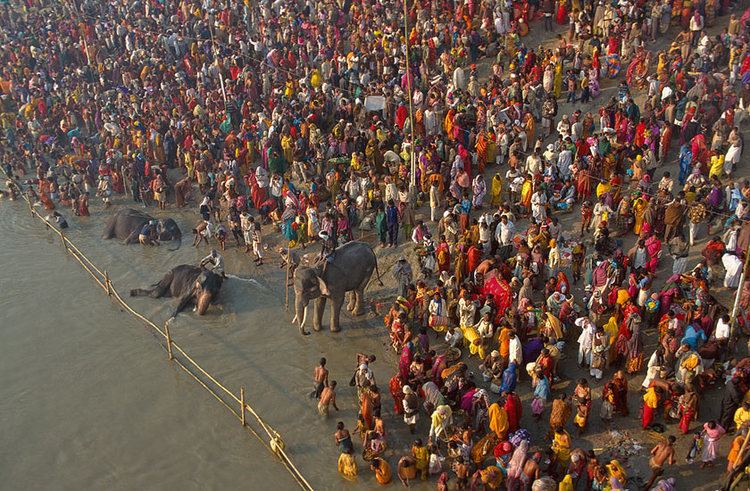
(320, 379)
(327, 398)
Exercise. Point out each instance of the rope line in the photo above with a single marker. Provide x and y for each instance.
(275, 443)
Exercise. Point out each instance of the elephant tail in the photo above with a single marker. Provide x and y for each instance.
(158, 290)
(377, 271)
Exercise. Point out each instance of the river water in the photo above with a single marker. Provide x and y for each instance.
(89, 399)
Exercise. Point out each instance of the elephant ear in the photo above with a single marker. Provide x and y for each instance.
(323, 287)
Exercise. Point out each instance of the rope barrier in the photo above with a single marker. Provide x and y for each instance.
(274, 444)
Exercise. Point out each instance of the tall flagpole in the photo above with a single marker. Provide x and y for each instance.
(743, 275)
(412, 162)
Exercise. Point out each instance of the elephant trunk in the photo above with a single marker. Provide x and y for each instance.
(300, 313)
(179, 243)
(202, 301)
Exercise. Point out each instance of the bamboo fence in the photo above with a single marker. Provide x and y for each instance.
(237, 405)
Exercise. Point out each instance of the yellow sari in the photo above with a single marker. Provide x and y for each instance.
(639, 209)
(555, 325)
(473, 340)
(566, 484)
(498, 420)
(347, 466)
(286, 148)
(716, 166)
(611, 329)
(526, 194)
(601, 188)
(616, 471)
(496, 190)
(561, 447)
(557, 87)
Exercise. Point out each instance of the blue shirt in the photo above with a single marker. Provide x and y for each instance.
(693, 338)
(146, 230)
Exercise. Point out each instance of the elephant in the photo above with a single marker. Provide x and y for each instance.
(127, 224)
(348, 270)
(188, 283)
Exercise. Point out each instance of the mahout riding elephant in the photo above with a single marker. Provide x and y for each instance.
(348, 270)
(188, 283)
(127, 224)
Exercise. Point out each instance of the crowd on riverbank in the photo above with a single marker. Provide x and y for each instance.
(306, 116)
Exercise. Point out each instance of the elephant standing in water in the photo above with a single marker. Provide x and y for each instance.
(127, 224)
(349, 270)
(189, 284)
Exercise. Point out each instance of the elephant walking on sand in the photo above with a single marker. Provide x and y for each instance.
(349, 270)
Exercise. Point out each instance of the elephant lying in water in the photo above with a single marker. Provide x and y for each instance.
(189, 284)
(349, 271)
(127, 224)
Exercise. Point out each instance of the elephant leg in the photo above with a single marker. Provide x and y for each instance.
(359, 307)
(133, 237)
(318, 309)
(336, 304)
(352, 303)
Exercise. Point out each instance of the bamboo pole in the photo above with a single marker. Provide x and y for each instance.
(412, 163)
(169, 341)
(286, 281)
(742, 448)
(276, 442)
(242, 406)
(738, 295)
(107, 283)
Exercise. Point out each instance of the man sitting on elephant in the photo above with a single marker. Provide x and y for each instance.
(349, 270)
(327, 251)
(149, 234)
(214, 262)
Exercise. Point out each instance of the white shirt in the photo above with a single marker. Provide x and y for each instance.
(515, 351)
(466, 309)
(504, 232)
(586, 339)
(453, 339)
(722, 330)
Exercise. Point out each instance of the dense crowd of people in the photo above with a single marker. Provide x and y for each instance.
(312, 118)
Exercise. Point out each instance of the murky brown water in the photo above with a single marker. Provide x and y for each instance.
(88, 397)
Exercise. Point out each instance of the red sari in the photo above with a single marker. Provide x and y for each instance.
(474, 258)
(640, 133)
(443, 256)
(395, 386)
(404, 362)
(514, 409)
(562, 14)
(666, 139)
(366, 408)
(83, 206)
(583, 184)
